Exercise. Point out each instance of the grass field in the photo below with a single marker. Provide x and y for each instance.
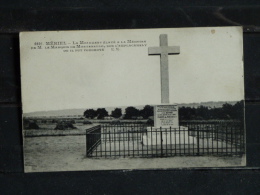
(68, 153)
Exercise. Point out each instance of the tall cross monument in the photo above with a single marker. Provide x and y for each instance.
(164, 50)
(166, 115)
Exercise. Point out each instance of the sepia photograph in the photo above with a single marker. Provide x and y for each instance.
(133, 99)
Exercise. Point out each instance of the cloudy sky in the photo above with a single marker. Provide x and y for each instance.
(209, 68)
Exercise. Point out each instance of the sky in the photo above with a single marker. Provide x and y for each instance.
(208, 68)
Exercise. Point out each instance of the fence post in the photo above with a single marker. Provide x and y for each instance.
(198, 141)
(128, 142)
(86, 143)
(161, 142)
(109, 142)
(226, 139)
(231, 138)
(217, 129)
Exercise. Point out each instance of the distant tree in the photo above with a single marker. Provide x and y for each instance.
(187, 113)
(238, 112)
(146, 111)
(116, 113)
(131, 112)
(216, 113)
(202, 112)
(101, 113)
(90, 113)
(227, 111)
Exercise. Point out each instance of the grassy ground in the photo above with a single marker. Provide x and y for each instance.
(136, 149)
(51, 126)
(68, 153)
(81, 130)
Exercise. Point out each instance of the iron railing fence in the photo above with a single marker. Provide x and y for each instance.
(227, 131)
(190, 139)
(93, 139)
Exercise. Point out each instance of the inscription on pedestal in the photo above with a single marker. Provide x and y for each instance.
(166, 116)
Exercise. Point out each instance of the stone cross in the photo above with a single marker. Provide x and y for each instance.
(163, 51)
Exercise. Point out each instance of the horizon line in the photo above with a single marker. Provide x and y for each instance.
(125, 106)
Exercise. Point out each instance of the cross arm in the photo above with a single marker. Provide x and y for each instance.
(173, 50)
(154, 50)
(164, 49)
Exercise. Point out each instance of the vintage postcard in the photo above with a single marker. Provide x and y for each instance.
(133, 99)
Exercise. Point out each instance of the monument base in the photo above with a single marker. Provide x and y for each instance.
(167, 136)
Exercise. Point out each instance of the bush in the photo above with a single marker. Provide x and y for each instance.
(150, 122)
(64, 125)
(138, 122)
(115, 122)
(30, 124)
(86, 122)
(72, 121)
(54, 121)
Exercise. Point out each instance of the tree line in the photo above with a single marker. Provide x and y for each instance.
(226, 112)
(130, 113)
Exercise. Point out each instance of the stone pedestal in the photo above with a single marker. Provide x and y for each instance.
(166, 128)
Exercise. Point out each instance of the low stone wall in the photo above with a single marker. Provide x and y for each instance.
(39, 133)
